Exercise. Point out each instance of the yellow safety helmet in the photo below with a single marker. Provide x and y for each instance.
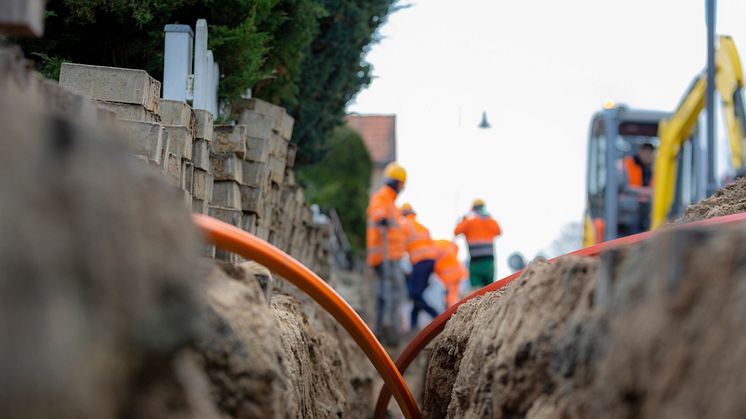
(406, 209)
(477, 203)
(396, 172)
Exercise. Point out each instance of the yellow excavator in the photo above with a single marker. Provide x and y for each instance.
(680, 168)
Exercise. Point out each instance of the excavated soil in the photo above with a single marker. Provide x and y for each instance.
(107, 310)
(652, 331)
(726, 201)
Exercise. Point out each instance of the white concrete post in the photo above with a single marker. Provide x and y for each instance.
(177, 62)
(214, 94)
(200, 66)
(209, 69)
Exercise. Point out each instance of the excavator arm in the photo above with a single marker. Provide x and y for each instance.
(676, 130)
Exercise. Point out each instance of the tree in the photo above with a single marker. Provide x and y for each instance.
(334, 71)
(341, 181)
(570, 239)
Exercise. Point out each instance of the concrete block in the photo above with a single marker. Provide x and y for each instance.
(202, 184)
(229, 139)
(226, 167)
(208, 250)
(145, 139)
(255, 174)
(226, 194)
(111, 84)
(252, 200)
(257, 149)
(187, 176)
(262, 231)
(203, 124)
(173, 170)
(278, 146)
(129, 112)
(276, 170)
(230, 216)
(249, 222)
(201, 154)
(292, 152)
(181, 141)
(175, 112)
(285, 128)
(200, 206)
(257, 125)
(22, 17)
(188, 201)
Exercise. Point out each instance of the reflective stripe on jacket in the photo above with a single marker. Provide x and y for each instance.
(417, 240)
(480, 231)
(381, 206)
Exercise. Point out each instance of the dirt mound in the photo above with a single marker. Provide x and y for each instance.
(502, 344)
(653, 331)
(726, 201)
(98, 276)
(284, 360)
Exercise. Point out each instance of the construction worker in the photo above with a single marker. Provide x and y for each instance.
(422, 253)
(449, 270)
(635, 199)
(385, 247)
(480, 230)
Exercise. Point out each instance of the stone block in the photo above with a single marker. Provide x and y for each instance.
(175, 112)
(226, 194)
(229, 139)
(257, 149)
(188, 200)
(226, 167)
(284, 127)
(227, 215)
(22, 17)
(252, 200)
(276, 169)
(249, 222)
(145, 139)
(187, 176)
(202, 184)
(257, 125)
(129, 112)
(292, 152)
(278, 146)
(173, 170)
(255, 174)
(201, 154)
(111, 84)
(203, 124)
(200, 206)
(181, 141)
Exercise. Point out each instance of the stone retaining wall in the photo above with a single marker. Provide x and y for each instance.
(241, 174)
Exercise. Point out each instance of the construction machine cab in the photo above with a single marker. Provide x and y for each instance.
(617, 132)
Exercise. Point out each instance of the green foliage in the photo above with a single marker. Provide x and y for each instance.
(334, 71)
(341, 181)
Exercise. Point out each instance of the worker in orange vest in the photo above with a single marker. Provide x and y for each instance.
(480, 230)
(449, 270)
(422, 253)
(635, 200)
(385, 248)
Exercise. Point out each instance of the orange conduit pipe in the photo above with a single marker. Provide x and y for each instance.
(230, 238)
(434, 328)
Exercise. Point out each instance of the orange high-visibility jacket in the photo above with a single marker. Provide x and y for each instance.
(634, 171)
(449, 270)
(381, 206)
(480, 231)
(417, 240)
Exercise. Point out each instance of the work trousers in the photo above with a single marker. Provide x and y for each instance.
(417, 284)
(390, 296)
(481, 271)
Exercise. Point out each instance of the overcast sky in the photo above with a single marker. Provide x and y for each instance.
(540, 68)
